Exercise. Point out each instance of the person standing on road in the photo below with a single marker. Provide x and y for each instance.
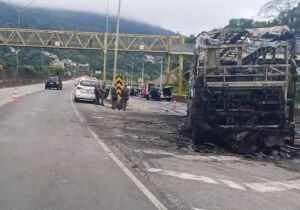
(114, 96)
(97, 93)
(125, 96)
(103, 92)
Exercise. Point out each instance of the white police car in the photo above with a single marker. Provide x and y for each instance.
(84, 89)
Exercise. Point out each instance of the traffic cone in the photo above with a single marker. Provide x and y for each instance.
(15, 95)
(174, 106)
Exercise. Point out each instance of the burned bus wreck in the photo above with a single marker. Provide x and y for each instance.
(243, 89)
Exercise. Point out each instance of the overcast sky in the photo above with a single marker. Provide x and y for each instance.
(185, 16)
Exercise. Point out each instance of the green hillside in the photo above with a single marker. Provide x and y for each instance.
(33, 64)
(41, 18)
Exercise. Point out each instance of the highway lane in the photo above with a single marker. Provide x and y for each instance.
(7, 93)
(49, 160)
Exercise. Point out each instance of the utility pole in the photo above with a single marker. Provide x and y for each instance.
(131, 82)
(161, 72)
(105, 45)
(19, 24)
(42, 58)
(117, 43)
(143, 72)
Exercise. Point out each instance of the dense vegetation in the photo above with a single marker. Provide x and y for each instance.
(277, 12)
(32, 63)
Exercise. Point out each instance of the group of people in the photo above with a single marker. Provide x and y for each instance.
(100, 93)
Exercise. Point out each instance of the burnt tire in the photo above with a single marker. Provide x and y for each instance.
(197, 134)
(196, 123)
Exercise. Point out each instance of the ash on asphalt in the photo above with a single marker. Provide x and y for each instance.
(252, 148)
(135, 130)
(148, 129)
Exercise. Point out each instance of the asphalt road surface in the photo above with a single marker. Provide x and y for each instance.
(59, 155)
(50, 160)
(148, 137)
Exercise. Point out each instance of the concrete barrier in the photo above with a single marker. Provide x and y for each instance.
(22, 82)
(15, 83)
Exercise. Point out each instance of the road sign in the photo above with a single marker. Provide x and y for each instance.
(57, 44)
(142, 47)
(119, 84)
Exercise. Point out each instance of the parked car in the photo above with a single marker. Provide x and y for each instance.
(166, 93)
(84, 90)
(53, 82)
(156, 94)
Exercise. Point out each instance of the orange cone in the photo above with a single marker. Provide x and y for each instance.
(174, 106)
(15, 95)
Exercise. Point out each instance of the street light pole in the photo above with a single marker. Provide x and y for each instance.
(42, 58)
(143, 72)
(105, 44)
(117, 43)
(19, 24)
(131, 82)
(161, 72)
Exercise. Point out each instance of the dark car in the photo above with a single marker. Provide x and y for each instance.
(53, 82)
(166, 94)
(154, 94)
(157, 95)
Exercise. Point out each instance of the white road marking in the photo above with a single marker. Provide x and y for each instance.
(293, 184)
(131, 176)
(193, 208)
(275, 186)
(232, 184)
(220, 158)
(75, 110)
(183, 175)
(117, 135)
(265, 187)
(98, 117)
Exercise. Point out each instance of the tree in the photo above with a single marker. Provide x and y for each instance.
(240, 23)
(290, 18)
(191, 39)
(273, 8)
(261, 24)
